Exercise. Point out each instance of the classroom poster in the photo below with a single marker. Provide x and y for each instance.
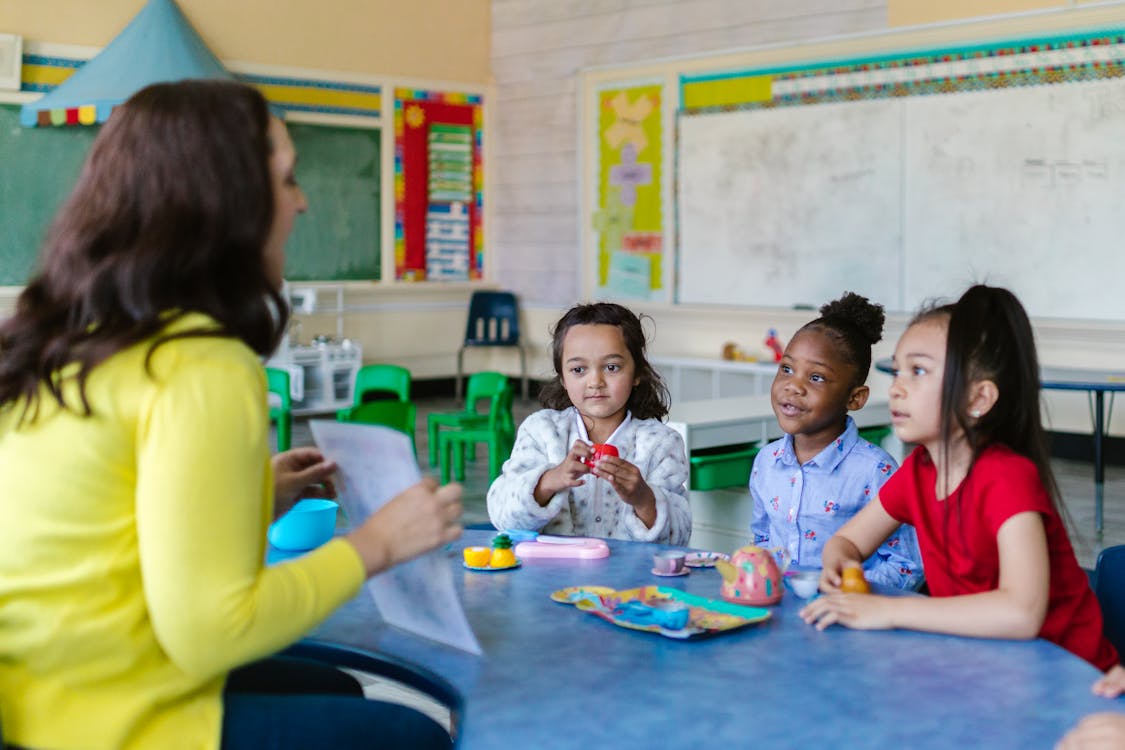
(629, 216)
(438, 186)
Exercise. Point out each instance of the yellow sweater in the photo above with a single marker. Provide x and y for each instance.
(131, 561)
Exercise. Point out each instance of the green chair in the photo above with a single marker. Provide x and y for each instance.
(380, 378)
(277, 381)
(482, 387)
(499, 435)
(398, 415)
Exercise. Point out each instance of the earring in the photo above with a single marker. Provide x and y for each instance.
(975, 414)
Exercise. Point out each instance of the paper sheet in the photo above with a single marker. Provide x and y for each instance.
(375, 464)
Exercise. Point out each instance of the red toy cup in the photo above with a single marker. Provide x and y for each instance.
(599, 450)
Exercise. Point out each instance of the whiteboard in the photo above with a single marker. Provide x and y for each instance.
(910, 199)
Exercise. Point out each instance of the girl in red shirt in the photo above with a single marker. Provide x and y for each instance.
(978, 489)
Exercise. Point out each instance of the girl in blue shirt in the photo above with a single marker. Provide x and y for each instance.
(808, 483)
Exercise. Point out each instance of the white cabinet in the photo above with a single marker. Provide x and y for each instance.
(699, 379)
(322, 376)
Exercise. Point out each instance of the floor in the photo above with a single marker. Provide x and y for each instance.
(1075, 478)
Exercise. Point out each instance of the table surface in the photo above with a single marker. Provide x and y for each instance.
(554, 676)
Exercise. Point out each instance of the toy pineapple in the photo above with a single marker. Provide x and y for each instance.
(503, 556)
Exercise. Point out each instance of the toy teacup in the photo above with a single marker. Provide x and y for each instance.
(751, 577)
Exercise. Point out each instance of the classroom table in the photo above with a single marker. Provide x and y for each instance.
(709, 423)
(1096, 384)
(554, 676)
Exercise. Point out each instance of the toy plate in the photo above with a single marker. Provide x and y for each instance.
(707, 616)
(703, 559)
(489, 568)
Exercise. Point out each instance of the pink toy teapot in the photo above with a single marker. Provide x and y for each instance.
(751, 577)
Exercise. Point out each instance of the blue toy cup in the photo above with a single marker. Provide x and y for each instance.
(308, 524)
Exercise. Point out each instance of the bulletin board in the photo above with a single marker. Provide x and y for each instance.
(904, 165)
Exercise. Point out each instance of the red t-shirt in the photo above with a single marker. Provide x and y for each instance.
(957, 539)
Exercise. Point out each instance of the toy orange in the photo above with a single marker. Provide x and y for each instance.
(477, 557)
(854, 582)
(503, 556)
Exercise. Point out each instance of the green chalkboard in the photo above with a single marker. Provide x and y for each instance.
(338, 237)
(38, 167)
(338, 168)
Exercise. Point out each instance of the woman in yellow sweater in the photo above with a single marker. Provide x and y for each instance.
(137, 483)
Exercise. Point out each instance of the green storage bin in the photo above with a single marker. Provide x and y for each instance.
(724, 466)
(875, 434)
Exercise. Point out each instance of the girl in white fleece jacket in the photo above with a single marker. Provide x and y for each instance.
(605, 392)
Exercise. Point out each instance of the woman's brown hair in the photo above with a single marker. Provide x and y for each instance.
(169, 216)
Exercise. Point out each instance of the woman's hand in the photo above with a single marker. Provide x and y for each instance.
(626, 480)
(417, 520)
(569, 473)
(858, 611)
(298, 473)
(1104, 731)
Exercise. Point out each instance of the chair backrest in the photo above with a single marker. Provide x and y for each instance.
(483, 386)
(494, 320)
(398, 415)
(1109, 586)
(382, 378)
(500, 417)
(277, 382)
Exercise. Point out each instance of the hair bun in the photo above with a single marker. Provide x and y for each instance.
(857, 311)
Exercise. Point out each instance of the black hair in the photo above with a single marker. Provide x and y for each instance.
(990, 337)
(649, 397)
(170, 215)
(854, 324)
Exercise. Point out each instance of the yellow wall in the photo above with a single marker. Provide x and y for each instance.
(425, 39)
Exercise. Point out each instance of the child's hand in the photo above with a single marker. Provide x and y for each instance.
(858, 611)
(832, 574)
(626, 479)
(1112, 683)
(569, 473)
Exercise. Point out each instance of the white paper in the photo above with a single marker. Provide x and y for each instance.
(375, 464)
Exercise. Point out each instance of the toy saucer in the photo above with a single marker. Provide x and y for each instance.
(704, 559)
(572, 594)
(683, 572)
(490, 568)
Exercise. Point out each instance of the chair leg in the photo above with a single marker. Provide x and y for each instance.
(458, 460)
(433, 428)
(523, 372)
(457, 385)
(284, 432)
(445, 448)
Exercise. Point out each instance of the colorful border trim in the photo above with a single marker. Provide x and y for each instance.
(1058, 59)
(402, 96)
(42, 74)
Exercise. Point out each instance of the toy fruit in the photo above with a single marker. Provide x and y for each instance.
(598, 450)
(854, 582)
(477, 557)
(503, 556)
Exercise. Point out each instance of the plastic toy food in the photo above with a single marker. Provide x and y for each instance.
(477, 557)
(598, 451)
(503, 556)
(854, 582)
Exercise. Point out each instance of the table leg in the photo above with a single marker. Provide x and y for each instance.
(1099, 466)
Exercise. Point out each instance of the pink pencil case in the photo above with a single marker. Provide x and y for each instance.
(561, 547)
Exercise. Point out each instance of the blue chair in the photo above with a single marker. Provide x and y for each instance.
(1109, 585)
(494, 320)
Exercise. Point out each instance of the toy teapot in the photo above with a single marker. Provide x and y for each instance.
(751, 577)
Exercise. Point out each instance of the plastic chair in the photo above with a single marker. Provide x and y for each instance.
(482, 386)
(1109, 585)
(499, 435)
(398, 415)
(494, 320)
(380, 379)
(386, 666)
(277, 382)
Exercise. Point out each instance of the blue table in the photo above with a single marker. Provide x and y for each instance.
(553, 676)
(1096, 383)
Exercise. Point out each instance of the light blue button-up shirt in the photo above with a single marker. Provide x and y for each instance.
(799, 506)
